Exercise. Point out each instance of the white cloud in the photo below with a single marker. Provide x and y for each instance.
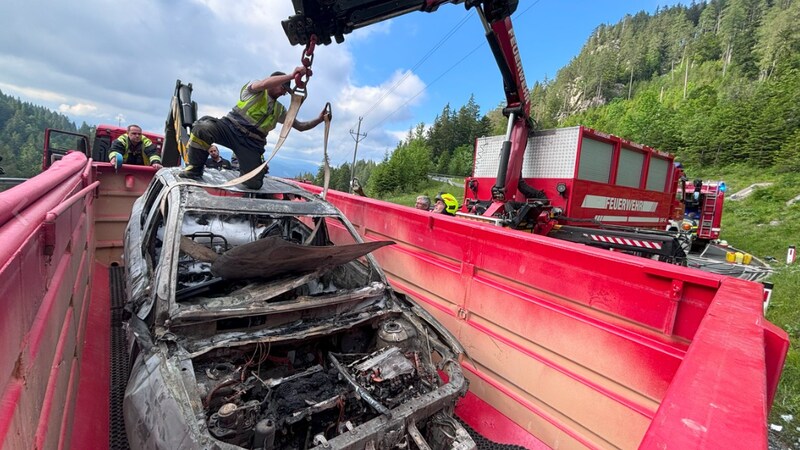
(102, 60)
(373, 31)
(80, 109)
(32, 93)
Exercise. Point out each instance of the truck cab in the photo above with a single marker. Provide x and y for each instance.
(58, 143)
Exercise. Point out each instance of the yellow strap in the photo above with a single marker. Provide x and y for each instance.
(327, 179)
(291, 114)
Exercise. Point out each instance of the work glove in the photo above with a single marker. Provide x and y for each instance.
(116, 161)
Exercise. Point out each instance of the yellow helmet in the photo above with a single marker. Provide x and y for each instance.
(450, 203)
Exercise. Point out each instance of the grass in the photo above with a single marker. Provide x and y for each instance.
(764, 226)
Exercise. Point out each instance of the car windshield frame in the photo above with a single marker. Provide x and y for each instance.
(213, 201)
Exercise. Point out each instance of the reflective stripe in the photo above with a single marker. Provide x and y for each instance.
(624, 241)
(200, 143)
(260, 111)
(146, 142)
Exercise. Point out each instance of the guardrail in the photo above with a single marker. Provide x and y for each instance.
(449, 179)
(6, 182)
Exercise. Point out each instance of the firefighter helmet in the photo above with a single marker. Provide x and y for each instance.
(450, 203)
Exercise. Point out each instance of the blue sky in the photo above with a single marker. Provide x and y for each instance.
(105, 61)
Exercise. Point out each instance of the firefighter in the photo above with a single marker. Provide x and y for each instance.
(134, 148)
(446, 204)
(215, 161)
(423, 202)
(245, 128)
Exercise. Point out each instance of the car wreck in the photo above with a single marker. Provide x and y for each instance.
(259, 320)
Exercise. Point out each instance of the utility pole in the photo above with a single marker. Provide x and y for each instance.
(357, 136)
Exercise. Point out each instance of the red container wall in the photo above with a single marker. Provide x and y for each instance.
(579, 346)
(44, 276)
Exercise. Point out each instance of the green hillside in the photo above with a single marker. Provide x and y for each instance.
(22, 128)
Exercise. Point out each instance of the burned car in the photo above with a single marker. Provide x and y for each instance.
(259, 320)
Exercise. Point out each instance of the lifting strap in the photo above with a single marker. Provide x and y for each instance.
(327, 177)
(291, 115)
(327, 116)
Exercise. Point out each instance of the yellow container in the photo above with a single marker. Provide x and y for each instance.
(739, 256)
(730, 257)
(747, 258)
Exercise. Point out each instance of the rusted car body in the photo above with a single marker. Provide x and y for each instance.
(258, 319)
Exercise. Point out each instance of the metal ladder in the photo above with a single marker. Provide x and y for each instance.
(708, 211)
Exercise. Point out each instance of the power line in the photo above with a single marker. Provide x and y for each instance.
(426, 87)
(357, 136)
(438, 45)
(528, 8)
(441, 75)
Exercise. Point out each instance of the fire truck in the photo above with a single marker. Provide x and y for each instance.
(586, 186)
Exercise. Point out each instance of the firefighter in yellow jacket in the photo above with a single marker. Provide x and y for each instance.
(134, 148)
(244, 130)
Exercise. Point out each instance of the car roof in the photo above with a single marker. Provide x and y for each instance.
(274, 195)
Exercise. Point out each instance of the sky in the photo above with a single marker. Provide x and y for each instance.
(117, 61)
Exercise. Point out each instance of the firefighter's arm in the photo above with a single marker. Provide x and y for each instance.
(277, 80)
(299, 125)
(116, 153)
(152, 155)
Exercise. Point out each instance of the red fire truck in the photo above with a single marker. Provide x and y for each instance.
(583, 185)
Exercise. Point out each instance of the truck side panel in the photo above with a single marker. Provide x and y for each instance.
(579, 346)
(724, 369)
(59, 232)
(45, 279)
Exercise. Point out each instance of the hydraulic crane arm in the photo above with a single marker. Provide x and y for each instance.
(328, 19)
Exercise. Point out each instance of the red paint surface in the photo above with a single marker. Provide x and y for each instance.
(67, 419)
(58, 365)
(91, 426)
(493, 425)
(8, 405)
(45, 283)
(719, 398)
(693, 342)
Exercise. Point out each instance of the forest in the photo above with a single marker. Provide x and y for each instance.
(715, 83)
(22, 128)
